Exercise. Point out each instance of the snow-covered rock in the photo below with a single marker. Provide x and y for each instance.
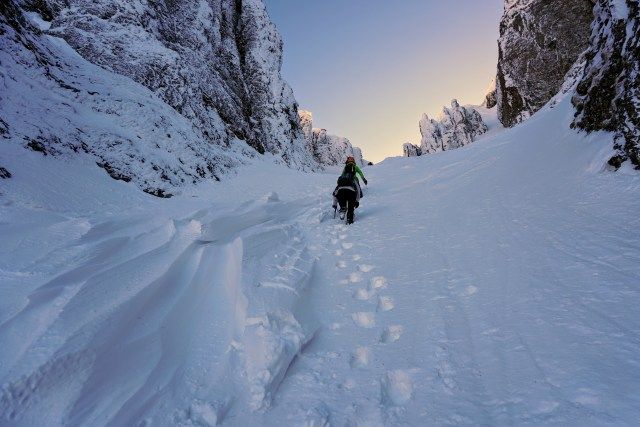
(539, 42)
(608, 94)
(327, 149)
(306, 122)
(216, 62)
(490, 99)
(162, 94)
(455, 127)
(411, 150)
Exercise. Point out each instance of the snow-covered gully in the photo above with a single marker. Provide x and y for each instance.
(465, 293)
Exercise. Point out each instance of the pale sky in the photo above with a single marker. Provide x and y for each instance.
(369, 69)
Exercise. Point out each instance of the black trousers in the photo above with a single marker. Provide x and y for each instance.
(347, 200)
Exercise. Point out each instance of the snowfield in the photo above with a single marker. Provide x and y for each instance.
(496, 284)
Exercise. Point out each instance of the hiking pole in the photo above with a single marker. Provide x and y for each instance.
(335, 210)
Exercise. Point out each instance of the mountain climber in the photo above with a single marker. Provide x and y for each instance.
(348, 192)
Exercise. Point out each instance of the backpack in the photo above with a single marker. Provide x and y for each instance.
(348, 176)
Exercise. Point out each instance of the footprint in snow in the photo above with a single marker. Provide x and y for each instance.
(468, 291)
(364, 319)
(348, 384)
(365, 268)
(334, 241)
(385, 303)
(339, 252)
(341, 264)
(391, 334)
(346, 245)
(361, 357)
(355, 277)
(396, 388)
(357, 257)
(379, 282)
(362, 295)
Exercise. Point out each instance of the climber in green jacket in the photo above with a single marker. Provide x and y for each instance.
(351, 165)
(348, 192)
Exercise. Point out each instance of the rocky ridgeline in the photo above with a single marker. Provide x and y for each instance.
(608, 94)
(539, 42)
(328, 150)
(455, 127)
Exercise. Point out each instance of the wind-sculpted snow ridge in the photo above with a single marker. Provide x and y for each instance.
(328, 150)
(455, 127)
(152, 319)
(608, 94)
(539, 42)
(205, 81)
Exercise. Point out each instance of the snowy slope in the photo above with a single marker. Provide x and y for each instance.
(496, 284)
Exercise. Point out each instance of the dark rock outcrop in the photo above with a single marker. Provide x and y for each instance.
(608, 94)
(539, 42)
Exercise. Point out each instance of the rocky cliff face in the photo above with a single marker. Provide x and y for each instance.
(328, 150)
(456, 127)
(608, 94)
(216, 62)
(164, 93)
(539, 42)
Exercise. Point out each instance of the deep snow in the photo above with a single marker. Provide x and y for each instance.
(494, 284)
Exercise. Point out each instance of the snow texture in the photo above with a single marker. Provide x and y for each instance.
(500, 282)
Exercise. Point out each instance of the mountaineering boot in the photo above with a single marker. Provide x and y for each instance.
(350, 215)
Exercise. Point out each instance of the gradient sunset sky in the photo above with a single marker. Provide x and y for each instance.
(368, 69)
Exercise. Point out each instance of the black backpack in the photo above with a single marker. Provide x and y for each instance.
(348, 176)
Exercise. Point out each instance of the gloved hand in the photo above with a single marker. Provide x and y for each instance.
(365, 181)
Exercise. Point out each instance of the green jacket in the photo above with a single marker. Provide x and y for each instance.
(357, 169)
